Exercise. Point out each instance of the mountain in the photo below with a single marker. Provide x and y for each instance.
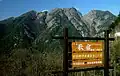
(20, 31)
(37, 28)
(59, 18)
(98, 21)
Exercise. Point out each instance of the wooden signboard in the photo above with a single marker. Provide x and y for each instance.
(87, 54)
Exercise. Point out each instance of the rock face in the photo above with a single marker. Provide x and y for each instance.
(21, 30)
(60, 18)
(38, 27)
(56, 20)
(98, 21)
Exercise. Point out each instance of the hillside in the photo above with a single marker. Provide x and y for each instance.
(36, 28)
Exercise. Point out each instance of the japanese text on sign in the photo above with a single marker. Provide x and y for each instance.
(87, 54)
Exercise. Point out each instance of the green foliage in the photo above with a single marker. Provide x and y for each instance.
(116, 22)
(30, 63)
(115, 54)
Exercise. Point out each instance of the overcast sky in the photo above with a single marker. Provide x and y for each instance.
(15, 8)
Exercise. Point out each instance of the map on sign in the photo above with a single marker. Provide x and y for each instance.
(87, 54)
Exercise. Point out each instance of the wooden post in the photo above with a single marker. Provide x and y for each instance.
(69, 55)
(106, 54)
(65, 53)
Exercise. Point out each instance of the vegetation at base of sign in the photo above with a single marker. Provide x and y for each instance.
(115, 46)
(31, 62)
(25, 62)
(115, 55)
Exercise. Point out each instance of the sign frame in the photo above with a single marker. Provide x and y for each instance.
(66, 53)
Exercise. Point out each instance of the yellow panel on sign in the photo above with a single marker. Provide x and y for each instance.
(87, 54)
(87, 64)
(87, 46)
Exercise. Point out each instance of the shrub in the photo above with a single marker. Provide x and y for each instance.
(24, 62)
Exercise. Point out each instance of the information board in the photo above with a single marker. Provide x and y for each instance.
(87, 54)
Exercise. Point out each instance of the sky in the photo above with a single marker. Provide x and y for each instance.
(9, 8)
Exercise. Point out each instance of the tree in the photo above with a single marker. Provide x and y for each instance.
(115, 54)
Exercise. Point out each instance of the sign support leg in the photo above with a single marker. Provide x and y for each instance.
(106, 54)
(65, 53)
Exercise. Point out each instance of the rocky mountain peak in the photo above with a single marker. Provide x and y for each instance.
(38, 27)
(98, 20)
(99, 14)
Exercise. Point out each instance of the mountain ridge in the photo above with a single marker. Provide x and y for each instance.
(58, 8)
(37, 27)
